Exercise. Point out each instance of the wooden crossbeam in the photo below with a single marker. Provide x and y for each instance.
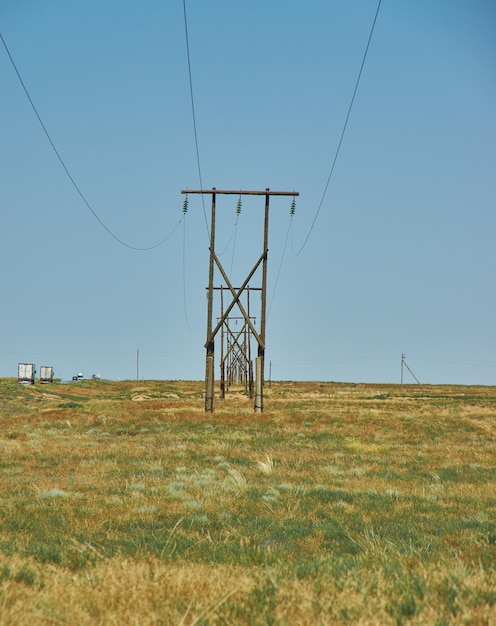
(240, 192)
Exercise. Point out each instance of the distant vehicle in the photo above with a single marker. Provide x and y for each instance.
(26, 373)
(78, 376)
(46, 374)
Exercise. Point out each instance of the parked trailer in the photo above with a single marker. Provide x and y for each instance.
(46, 374)
(26, 373)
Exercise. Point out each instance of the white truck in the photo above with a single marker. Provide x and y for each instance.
(26, 373)
(46, 374)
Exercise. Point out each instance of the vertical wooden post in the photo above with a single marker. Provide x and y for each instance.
(258, 384)
(209, 387)
(250, 374)
(259, 367)
(222, 354)
(209, 364)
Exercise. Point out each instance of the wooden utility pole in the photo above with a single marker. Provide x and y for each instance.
(404, 364)
(260, 361)
(236, 294)
(209, 345)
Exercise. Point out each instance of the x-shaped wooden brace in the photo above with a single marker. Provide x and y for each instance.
(235, 343)
(236, 295)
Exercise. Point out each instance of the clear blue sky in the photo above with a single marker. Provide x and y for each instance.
(402, 258)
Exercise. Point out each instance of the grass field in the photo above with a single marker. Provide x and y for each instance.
(124, 503)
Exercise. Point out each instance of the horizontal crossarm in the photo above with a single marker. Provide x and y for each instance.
(241, 192)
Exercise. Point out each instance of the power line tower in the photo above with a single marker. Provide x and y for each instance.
(236, 358)
(236, 365)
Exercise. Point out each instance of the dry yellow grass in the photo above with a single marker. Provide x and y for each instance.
(122, 591)
(149, 592)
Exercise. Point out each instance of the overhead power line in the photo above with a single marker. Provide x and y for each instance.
(345, 125)
(193, 112)
(66, 169)
(280, 266)
(191, 328)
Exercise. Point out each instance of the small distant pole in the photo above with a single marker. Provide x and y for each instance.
(137, 363)
(404, 364)
(270, 373)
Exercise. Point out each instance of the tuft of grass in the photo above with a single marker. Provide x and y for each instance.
(266, 465)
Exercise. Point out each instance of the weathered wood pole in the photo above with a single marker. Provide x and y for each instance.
(209, 364)
(222, 354)
(259, 384)
(259, 367)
